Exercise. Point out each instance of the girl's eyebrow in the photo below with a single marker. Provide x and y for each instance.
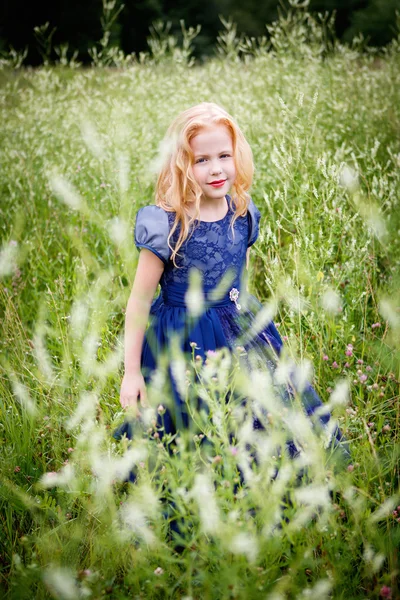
(221, 152)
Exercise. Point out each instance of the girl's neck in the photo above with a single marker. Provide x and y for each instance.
(211, 210)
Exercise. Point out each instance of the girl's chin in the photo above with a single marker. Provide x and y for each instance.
(217, 192)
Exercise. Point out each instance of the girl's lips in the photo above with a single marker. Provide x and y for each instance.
(218, 183)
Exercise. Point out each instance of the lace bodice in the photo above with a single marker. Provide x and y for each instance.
(212, 247)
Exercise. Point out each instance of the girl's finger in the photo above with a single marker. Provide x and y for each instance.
(127, 401)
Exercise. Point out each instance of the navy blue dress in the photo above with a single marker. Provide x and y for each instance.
(214, 250)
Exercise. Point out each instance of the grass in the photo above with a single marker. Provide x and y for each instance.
(78, 150)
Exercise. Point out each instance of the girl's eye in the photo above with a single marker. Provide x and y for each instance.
(225, 155)
(200, 160)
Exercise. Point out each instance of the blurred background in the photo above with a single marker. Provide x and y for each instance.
(79, 24)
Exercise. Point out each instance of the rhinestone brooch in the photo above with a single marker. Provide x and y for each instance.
(233, 296)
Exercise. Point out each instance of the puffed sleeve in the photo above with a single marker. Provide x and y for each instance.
(152, 230)
(253, 215)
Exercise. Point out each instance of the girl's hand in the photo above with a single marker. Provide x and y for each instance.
(132, 389)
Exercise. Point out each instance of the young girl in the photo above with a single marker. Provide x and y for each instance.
(195, 224)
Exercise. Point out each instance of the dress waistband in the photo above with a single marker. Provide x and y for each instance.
(175, 295)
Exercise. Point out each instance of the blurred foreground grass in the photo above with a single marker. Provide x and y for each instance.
(78, 153)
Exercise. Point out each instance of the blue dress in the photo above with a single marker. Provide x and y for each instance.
(213, 249)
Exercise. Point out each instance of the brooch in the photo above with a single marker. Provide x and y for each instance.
(233, 296)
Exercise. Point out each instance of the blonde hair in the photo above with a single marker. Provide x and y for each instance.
(176, 186)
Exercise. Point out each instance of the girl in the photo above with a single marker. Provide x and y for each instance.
(195, 224)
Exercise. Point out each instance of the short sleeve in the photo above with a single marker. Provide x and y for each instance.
(152, 230)
(253, 215)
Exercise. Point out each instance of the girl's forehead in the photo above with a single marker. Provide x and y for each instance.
(211, 137)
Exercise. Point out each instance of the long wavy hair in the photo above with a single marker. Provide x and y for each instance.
(176, 186)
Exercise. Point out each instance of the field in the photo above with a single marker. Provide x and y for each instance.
(79, 154)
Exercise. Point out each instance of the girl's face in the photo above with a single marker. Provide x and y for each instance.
(213, 167)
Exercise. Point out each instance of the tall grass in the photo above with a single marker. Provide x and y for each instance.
(220, 511)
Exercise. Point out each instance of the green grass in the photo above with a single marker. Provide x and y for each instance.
(66, 275)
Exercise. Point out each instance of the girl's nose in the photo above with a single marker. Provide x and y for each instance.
(215, 168)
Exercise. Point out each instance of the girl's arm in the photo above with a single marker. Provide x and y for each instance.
(148, 274)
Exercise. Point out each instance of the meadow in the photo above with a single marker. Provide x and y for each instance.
(78, 151)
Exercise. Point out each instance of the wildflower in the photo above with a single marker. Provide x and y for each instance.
(348, 178)
(389, 312)
(194, 345)
(363, 378)
(158, 571)
(360, 361)
(368, 368)
(211, 353)
(349, 350)
(203, 493)
(70, 450)
(61, 582)
(217, 459)
(371, 424)
(331, 301)
(375, 325)
(65, 191)
(375, 386)
(161, 409)
(347, 365)
(118, 230)
(17, 469)
(285, 338)
(8, 259)
(386, 428)
(243, 543)
(194, 297)
(325, 357)
(335, 365)
(350, 468)
(385, 592)
(340, 394)
(233, 450)
(134, 521)
(84, 573)
(313, 495)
